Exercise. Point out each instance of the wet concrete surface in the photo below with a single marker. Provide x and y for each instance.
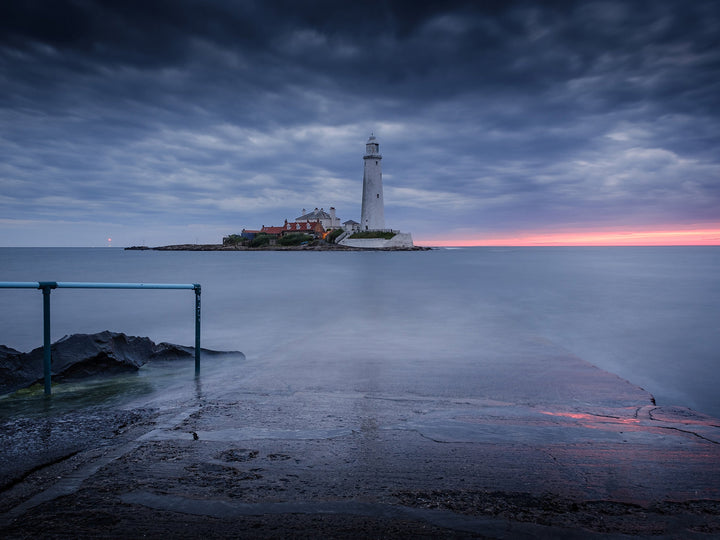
(505, 447)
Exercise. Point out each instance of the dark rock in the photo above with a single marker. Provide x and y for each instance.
(81, 355)
(15, 370)
(171, 351)
(85, 355)
(6, 351)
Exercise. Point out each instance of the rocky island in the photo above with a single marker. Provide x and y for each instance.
(317, 245)
(324, 246)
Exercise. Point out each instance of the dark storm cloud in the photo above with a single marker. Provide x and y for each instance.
(447, 48)
(491, 114)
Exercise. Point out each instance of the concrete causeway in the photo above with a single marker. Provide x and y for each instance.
(506, 447)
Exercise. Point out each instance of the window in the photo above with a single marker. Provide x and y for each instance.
(378, 195)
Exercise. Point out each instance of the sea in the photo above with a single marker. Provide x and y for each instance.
(650, 315)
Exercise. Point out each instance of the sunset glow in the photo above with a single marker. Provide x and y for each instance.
(667, 237)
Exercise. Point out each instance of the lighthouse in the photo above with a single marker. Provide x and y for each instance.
(373, 208)
(372, 215)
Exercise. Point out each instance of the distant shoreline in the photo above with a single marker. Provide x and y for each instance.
(309, 247)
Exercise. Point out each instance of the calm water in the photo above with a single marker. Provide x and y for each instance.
(650, 315)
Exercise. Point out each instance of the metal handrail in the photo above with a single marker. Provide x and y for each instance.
(48, 286)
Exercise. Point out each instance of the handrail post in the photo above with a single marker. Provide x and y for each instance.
(46, 287)
(197, 288)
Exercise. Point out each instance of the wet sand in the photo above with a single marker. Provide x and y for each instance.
(507, 447)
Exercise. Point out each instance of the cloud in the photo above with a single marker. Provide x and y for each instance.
(491, 116)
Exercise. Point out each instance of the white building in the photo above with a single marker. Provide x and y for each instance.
(351, 225)
(372, 216)
(327, 220)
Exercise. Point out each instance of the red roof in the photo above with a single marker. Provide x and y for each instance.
(293, 227)
(299, 227)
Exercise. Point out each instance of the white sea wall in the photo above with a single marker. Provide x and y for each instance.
(400, 240)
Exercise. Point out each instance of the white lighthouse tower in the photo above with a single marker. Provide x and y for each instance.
(373, 208)
(372, 216)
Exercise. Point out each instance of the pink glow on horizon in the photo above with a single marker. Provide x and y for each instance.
(669, 237)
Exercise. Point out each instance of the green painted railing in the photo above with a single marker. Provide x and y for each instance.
(47, 286)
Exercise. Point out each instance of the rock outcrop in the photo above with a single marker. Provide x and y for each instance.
(15, 370)
(84, 355)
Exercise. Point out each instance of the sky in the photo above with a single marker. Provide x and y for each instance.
(500, 122)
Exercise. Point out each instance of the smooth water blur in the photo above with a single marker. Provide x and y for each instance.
(650, 315)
